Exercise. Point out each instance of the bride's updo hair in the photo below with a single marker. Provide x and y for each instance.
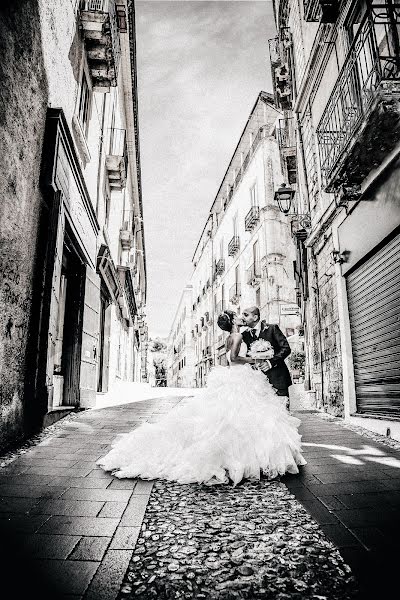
(225, 320)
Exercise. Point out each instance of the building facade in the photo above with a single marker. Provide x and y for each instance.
(180, 344)
(245, 255)
(71, 229)
(336, 68)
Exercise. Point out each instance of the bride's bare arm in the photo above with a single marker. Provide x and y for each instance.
(235, 349)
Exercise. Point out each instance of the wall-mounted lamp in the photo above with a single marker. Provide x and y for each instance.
(284, 196)
(341, 257)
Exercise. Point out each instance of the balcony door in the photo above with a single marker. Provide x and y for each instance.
(256, 254)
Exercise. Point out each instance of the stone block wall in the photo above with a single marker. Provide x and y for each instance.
(323, 327)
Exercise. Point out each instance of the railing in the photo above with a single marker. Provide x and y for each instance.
(254, 273)
(325, 11)
(311, 10)
(234, 245)
(118, 145)
(220, 266)
(252, 218)
(234, 293)
(374, 57)
(286, 133)
(274, 52)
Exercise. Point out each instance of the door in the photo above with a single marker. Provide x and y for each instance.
(374, 306)
(72, 326)
(104, 343)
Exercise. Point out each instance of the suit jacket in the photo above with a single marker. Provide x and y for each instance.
(279, 375)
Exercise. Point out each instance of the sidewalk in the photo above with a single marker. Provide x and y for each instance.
(66, 525)
(351, 486)
(61, 525)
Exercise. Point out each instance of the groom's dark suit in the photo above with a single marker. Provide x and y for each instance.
(279, 375)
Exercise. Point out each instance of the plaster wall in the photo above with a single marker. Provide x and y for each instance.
(23, 102)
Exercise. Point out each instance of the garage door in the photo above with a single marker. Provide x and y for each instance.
(374, 307)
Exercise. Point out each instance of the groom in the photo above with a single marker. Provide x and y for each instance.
(275, 368)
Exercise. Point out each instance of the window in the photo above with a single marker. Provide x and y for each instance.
(258, 297)
(84, 104)
(256, 252)
(107, 202)
(253, 195)
(237, 274)
(235, 225)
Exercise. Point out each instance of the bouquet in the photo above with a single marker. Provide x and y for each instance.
(261, 350)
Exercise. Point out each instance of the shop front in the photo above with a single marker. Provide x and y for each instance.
(70, 308)
(369, 257)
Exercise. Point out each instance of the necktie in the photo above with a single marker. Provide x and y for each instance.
(253, 333)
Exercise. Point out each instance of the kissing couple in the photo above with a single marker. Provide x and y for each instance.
(237, 427)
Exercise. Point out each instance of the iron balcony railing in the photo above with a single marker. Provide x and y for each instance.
(254, 273)
(274, 52)
(286, 134)
(325, 11)
(118, 145)
(220, 266)
(234, 293)
(373, 58)
(252, 218)
(234, 245)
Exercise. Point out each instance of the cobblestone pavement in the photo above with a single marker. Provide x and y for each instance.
(252, 541)
(69, 530)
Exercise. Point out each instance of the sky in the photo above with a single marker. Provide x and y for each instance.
(201, 66)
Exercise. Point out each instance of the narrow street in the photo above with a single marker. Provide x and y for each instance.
(77, 532)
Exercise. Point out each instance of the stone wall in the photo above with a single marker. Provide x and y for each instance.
(23, 101)
(324, 331)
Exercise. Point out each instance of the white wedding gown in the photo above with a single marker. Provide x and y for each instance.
(235, 428)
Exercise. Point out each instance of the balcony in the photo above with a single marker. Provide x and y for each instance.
(252, 218)
(283, 86)
(100, 26)
(361, 122)
(324, 11)
(233, 246)
(126, 279)
(286, 137)
(220, 266)
(234, 293)
(254, 274)
(274, 52)
(117, 159)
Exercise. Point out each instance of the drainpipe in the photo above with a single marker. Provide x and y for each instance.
(317, 301)
(307, 381)
(99, 168)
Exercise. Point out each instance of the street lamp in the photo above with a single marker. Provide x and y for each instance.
(284, 196)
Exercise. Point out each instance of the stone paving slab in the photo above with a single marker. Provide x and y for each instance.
(61, 514)
(358, 493)
(350, 487)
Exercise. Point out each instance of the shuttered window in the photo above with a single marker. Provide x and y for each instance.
(374, 309)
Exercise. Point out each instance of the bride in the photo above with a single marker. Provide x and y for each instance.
(235, 428)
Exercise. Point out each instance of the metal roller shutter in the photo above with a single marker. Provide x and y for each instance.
(374, 307)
